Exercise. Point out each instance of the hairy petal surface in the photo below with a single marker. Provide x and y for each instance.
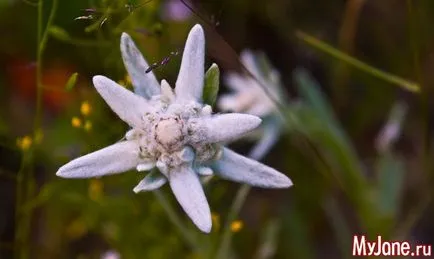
(166, 91)
(145, 84)
(117, 158)
(224, 127)
(188, 191)
(189, 85)
(238, 168)
(127, 105)
(152, 181)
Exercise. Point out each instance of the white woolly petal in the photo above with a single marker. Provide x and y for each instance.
(206, 110)
(223, 127)
(132, 134)
(238, 168)
(167, 91)
(117, 158)
(145, 84)
(189, 85)
(163, 168)
(127, 105)
(152, 181)
(145, 166)
(188, 191)
(204, 171)
(187, 154)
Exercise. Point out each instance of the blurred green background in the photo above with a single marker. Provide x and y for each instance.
(370, 69)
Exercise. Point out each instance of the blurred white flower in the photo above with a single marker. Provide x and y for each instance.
(111, 254)
(175, 10)
(175, 132)
(248, 96)
(392, 129)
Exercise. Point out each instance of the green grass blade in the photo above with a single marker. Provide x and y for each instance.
(324, 47)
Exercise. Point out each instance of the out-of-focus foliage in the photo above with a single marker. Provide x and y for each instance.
(345, 66)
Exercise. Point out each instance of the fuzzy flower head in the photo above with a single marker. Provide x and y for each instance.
(248, 96)
(247, 92)
(173, 131)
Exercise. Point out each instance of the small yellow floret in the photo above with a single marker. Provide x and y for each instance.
(24, 143)
(88, 125)
(76, 122)
(85, 108)
(237, 225)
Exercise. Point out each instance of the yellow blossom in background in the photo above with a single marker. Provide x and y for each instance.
(88, 125)
(76, 122)
(95, 190)
(237, 225)
(85, 108)
(215, 221)
(24, 143)
(76, 229)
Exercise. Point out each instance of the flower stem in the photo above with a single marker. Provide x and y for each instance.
(42, 41)
(187, 235)
(25, 181)
(388, 77)
(226, 238)
(19, 239)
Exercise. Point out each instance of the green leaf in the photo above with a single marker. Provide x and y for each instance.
(339, 224)
(58, 33)
(309, 89)
(296, 232)
(390, 183)
(211, 85)
(71, 82)
(391, 78)
(325, 130)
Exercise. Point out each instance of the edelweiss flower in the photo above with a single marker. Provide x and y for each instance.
(174, 132)
(248, 96)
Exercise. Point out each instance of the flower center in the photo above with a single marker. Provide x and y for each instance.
(169, 133)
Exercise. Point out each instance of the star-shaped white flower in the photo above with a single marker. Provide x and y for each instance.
(248, 96)
(174, 132)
